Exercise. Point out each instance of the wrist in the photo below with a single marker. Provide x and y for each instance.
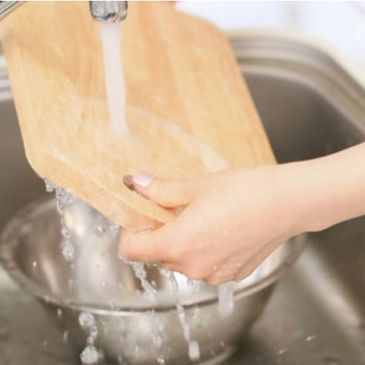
(328, 190)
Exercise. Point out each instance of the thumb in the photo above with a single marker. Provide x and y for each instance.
(167, 193)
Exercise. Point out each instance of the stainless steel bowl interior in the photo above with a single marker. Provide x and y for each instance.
(98, 278)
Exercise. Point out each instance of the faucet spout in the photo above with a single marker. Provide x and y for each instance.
(102, 11)
(109, 11)
(7, 7)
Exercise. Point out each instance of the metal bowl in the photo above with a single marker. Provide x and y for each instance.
(97, 281)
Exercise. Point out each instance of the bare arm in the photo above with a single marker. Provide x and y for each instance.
(234, 219)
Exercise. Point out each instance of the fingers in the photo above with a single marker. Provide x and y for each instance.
(155, 247)
(167, 193)
(143, 246)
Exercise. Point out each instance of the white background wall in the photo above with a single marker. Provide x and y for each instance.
(340, 24)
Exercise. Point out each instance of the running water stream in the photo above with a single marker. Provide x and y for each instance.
(90, 355)
(193, 346)
(111, 41)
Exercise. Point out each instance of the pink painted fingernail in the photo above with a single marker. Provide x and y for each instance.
(142, 179)
(128, 181)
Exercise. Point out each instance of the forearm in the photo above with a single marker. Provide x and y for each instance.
(328, 190)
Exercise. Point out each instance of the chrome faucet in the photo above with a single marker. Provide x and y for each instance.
(7, 7)
(102, 11)
(109, 11)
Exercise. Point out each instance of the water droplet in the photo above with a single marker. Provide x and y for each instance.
(283, 351)
(59, 313)
(194, 351)
(93, 332)
(311, 338)
(90, 355)
(193, 284)
(100, 231)
(50, 187)
(68, 250)
(65, 233)
(34, 264)
(86, 320)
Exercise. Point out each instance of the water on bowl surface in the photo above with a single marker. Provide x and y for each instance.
(90, 355)
(63, 198)
(193, 346)
(226, 298)
(76, 229)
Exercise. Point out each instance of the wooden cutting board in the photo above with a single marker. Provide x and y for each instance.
(188, 108)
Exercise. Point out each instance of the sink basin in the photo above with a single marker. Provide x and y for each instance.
(310, 107)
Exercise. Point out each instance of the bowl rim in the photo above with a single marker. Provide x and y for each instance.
(9, 239)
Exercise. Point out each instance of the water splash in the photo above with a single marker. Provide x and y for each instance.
(226, 298)
(63, 199)
(149, 293)
(193, 285)
(90, 355)
(194, 349)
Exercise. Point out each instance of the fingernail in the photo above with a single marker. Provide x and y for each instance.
(142, 179)
(128, 181)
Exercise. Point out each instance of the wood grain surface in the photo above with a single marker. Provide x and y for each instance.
(188, 109)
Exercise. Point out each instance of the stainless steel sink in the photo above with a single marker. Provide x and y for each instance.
(310, 107)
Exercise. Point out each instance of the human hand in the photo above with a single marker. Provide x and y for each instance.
(230, 222)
